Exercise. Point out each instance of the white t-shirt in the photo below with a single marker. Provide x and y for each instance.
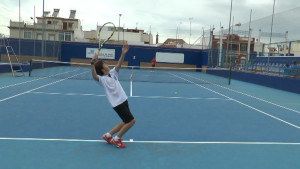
(113, 89)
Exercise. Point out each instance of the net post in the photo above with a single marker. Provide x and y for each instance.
(30, 67)
(131, 82)
(229, 78)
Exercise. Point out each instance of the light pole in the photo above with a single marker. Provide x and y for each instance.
(271, 35)
(43, 34)
(150, 36)
(228, 35)
(119, 27)
(179, 29)
(19, 27)
(123, 32)
(190, 29)
(136, 25)
(33, 31)
(177, 35)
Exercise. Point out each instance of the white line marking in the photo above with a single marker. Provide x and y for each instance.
(156, 142)
(68, 94)
(131, 86)
(40, 87)
(35, 80)
(246, 94)
(151, 97)
(189, 98)
(274, 117)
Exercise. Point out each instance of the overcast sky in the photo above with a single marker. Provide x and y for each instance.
(164, 16)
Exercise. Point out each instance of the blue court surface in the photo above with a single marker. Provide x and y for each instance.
(48, 122)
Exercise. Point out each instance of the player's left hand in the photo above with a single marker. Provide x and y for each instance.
(95, 56)
(125, 48)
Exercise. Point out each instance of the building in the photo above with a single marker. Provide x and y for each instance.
(70, 29)
(56, 28)
(237, 46)
(131, 36)
(173, 43)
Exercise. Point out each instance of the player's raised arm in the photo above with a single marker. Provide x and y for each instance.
(94, 74)
(124, 51)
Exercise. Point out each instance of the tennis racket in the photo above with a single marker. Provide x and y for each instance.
(110, 25)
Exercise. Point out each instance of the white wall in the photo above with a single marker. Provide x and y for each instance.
(296, 49)
(79, 33)
(130, 37)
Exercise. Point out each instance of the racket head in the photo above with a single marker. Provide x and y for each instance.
(101, 41)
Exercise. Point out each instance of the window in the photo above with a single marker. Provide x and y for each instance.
(65, 36)
(65, 26)
(49, 22)
(61, 36)
(39, 36)
(71, 25)
(27, 34)
(244, 47)
(51, 37)
(55, 22)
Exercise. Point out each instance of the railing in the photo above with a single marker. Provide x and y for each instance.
(277, 69)
(29, 25)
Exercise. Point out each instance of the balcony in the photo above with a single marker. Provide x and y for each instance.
(39, 26)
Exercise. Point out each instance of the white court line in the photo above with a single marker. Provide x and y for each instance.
(245, 94)
(35, 79)
(151, 97)
(68, 94)
(155, 142)
(189, 98)
(28, 91)
(274, 117)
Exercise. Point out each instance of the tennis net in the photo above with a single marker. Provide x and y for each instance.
(82, 71)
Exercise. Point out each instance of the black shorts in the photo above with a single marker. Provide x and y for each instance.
(124, 112)
(153, 65)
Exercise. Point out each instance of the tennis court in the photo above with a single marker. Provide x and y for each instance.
(191, 122)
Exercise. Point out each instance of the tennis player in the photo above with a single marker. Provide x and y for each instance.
(115, 95)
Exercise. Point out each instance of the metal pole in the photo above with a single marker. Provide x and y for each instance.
(43, 32)
(289, 50)
(53, 52)
(119, 27)
(179, 30)
(202, 36)
(271, 35)
(285, 45)
(249, 45)
(150, 36)
(34, 32)
(258, 40)
(19, 27)
(228, 32)
(190, 30)
(249, 40)
(231, 44)
(221, 47)
(123, 32)
(177, 35)
(211, 32)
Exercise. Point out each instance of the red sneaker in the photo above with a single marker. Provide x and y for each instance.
(108, 139)
(118, 143)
